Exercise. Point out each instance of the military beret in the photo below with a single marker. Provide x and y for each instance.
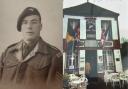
(27, 12)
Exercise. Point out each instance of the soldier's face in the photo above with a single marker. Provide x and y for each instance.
(31, 27)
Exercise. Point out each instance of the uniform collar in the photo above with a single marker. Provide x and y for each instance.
(41, 47)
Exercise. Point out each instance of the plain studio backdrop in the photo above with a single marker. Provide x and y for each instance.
(51, 13)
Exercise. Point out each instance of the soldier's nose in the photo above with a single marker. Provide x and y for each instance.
(29, 26)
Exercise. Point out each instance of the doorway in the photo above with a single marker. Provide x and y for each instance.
(91, 63)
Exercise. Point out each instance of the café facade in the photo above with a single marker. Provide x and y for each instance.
(91, 40)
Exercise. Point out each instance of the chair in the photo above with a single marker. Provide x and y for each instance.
(107, 77)
(73, 76)
(86, 83)
(126, 75)
(123, 78)
(115, 78)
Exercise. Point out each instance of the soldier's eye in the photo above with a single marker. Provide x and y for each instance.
(34, 22)
(24, 22)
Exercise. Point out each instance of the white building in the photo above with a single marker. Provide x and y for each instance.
(91, 40)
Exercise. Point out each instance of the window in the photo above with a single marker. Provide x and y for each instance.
(90, 28)
(108, 60)
(106, 30)
(71, 42)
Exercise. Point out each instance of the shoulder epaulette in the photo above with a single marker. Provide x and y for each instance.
(58, 52)
(53, 47)
(11, 47)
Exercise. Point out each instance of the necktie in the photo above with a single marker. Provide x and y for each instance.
(25, 50)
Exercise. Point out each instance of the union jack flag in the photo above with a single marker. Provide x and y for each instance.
(103, 37)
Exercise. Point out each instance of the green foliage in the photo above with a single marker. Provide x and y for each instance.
(124, 49)
(123, 40)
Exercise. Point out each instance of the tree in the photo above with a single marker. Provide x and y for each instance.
(123, 40)
(124, 49)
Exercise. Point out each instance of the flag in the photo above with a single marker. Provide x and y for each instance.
(73, 33)
(73, 30)
(72, 37)
(103, 37)
(69, 37)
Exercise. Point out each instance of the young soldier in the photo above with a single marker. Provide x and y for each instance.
(31, 63)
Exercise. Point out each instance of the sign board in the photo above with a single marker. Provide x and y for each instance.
(71, 67)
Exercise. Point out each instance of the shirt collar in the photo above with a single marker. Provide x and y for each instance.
(41, 47)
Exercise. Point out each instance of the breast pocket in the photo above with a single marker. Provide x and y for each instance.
(9, 70)
(39, 67)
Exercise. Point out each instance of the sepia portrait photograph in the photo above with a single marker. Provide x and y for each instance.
(31, 44)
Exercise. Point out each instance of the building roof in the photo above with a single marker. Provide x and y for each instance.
(88, 9)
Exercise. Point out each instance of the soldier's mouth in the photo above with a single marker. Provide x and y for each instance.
(30, 32)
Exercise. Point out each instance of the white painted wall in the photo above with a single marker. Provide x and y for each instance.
(65, 25)
(118, 64)
(64, 61)
(114, 30)
(98, 29)
(82, 28)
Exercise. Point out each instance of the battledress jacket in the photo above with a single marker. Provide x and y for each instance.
(41, 69)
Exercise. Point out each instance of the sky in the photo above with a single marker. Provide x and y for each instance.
(119, 6)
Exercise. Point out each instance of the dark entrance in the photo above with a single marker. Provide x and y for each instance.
(91, 61)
